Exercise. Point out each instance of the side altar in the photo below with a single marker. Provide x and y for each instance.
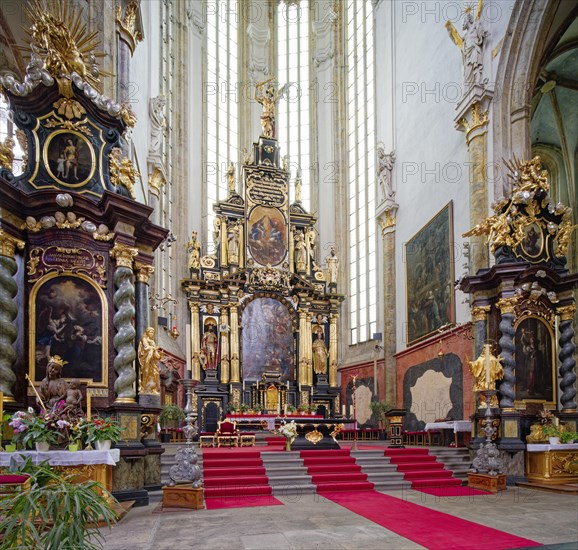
(263, 311)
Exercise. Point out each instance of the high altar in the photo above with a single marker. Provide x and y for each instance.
(263, 312)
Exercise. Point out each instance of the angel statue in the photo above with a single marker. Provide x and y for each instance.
(268, 96)
(471, 44)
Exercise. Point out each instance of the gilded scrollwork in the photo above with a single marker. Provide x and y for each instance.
(565, 463)
(122, 171)
(9, 244)
(7, 153)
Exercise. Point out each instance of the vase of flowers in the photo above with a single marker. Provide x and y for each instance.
(103, 432)
(291, 409)
(303, 409)
(289, 430)
(31, 428)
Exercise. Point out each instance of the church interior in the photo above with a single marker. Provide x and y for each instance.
(289, 273)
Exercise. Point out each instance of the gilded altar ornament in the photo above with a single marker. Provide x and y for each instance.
(69, 108)
(156, 181)
(127, 115)
(62, 41)
(479, 313)
(267, 95)
(149, 358)
(7, 153)
(194, 250)
(122, 171)
(143, 272)
(8, 244)
(124, 255)
(320, 354)
(314, 436)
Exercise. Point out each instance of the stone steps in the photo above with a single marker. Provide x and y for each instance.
(379, 470)
(286, 473)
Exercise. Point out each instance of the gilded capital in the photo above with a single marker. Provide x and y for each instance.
(8, 244)
(194, 306)
(479, 313)
(124, 255)
(333, 318)
(506, 305)
(156, 181)
(143, 272)
(566, 313)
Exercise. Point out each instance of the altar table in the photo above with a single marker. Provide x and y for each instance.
(455, 425)
(269, 419)
(552, 464)
(86, 465)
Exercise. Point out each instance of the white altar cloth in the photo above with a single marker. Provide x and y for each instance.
(455, 425)
(63, 458)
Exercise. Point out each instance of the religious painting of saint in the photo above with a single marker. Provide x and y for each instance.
(268, 340)
(267, 235)
(534, 361)
(67, 319)
(429, 268)
(532, 242)
(69, 158)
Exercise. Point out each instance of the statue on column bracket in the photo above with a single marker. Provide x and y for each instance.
(332, 265)
(300, 252)
(194, 250)
(149, 358)
(385, 162)
(267, 95)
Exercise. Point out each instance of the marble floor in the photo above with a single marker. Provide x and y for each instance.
(310, 521)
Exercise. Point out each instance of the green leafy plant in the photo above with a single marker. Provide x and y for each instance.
(258, 407)
(54, 513)
(304, 408)
(378, 410)
(565, 435)
(244, 407)
(232, 407)
(291, 408)
(171, 416)
(312, 409)
(100, 429)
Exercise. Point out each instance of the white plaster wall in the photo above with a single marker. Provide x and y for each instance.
(424, 68)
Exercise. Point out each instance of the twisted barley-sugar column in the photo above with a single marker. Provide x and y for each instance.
(234, 317)
(124, 339)
(333, 349)
(224, 347)
(506, 306)
(566, 355)
(8, 311)
(195, 341)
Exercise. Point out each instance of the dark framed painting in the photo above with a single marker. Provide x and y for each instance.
(67, 318)
(535, 360)
(429, 272)
(268, 340)
(267, 235)
(69, 158)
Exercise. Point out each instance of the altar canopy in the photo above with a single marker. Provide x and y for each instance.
(263, 307)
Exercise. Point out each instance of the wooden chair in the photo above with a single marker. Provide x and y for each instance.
(227, 434)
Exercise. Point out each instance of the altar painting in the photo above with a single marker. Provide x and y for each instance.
(268, 340)
(67, 320)
(534, 361)
(429, 277)
(267, 235)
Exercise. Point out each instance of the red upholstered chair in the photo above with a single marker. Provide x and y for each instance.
(227, 433)
(13, 483)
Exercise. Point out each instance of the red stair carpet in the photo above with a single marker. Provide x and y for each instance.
(335, 470)
(432, 529)
(234, 478)
(453, 491)
(421, 468)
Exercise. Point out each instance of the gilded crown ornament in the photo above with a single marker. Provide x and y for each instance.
(526, 226)
(63, 43)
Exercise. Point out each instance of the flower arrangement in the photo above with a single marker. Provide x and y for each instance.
(244, 407)
(303, 408)
(565, 435)
(289, 430)
(106, 429)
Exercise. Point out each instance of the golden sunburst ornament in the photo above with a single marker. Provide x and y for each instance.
(60, 37)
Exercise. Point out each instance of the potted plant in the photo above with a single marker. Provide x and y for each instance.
(40, 430)
(558, 434)
(171, 416)
(258, 408)
(378, 410)
(312, 409)
(244, 408)
(232, 408)
(103, 432)
(303, 408)
(53, 511)
(291, 409)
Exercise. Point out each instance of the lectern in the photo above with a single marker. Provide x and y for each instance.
(395, 417)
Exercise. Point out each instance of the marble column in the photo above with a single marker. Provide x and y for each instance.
(475, 122)
(195, 341)
(234, 317)
(479, 318)
(8, 311)
(303, 375)
(387, 222)
(567, 357)
(224, 346)
(124, 339)
(333, 350)
(143, 274)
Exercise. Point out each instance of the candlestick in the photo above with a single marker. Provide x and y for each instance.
(299, 387)
(88, 405)
(243, 385)
(189, 373)
(487, 367)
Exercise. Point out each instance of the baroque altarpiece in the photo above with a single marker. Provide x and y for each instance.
(263, 312)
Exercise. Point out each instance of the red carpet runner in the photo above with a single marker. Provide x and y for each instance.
(421, 468)
(235, 478)
(432, 529)
(335, 470)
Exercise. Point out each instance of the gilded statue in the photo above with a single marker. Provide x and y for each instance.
(486, 370)
(7, 153)
(194, 250)
(53, 388)
(122, 171)
(320, 354)
(267, 95)
(149, 358)
(300, 252)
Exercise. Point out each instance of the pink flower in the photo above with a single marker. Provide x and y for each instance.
(63, 424)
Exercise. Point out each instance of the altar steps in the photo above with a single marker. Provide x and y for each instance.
(457, 460)
(379, 470)
(286, 473)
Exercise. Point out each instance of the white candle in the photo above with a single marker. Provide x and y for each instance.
(88, 405)
(285, 409)
(299, 387)
(243, 385)
(342, 410)
(311, 391)
(487, 368)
